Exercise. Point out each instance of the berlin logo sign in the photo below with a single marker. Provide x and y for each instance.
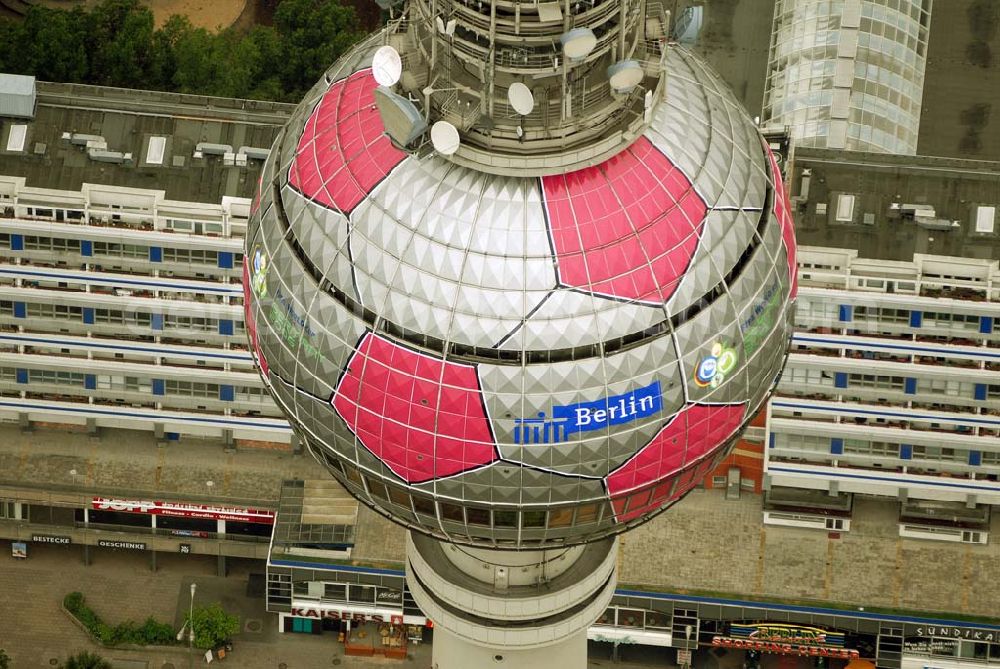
(568, 419)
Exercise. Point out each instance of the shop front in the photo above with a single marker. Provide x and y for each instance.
(379, 628)
(186, 519)
(950, 647)
(775, 645)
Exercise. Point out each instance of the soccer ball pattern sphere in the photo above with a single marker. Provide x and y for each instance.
(520, 361)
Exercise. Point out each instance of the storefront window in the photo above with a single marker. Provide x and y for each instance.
(336, 592)
(362, 593)
(630, 618)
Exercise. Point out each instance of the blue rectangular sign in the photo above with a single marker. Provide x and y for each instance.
(599, 414)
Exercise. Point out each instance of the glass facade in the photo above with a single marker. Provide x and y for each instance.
(848, 74)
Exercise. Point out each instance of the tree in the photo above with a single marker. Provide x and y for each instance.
(121, 43)
(313, 34)
(212, 626)
(86, 660)
(4, 659)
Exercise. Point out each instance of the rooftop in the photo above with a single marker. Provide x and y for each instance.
(953, 188)
(111, 123)
(961, 116)
(961, 81)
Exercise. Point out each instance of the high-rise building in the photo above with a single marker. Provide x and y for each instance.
(892, 385)
(120, 257)
(848, 74)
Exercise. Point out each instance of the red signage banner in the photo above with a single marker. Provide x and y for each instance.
(806, 650)
(184, 510)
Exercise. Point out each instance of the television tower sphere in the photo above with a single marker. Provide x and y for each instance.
(548, 331)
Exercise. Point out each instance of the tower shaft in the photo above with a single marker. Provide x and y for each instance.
(523, 609)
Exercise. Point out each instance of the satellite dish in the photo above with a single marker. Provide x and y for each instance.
(444, 137)
(401, 119)
(520, 98)
(624, 76)
(387, 66)
(578, 43)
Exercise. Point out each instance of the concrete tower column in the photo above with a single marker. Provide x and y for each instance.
(517, 609)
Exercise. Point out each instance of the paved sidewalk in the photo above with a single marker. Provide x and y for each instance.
(119, 586)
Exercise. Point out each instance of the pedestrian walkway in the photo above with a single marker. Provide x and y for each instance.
(119, 586)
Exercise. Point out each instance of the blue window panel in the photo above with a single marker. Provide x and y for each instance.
(846, 313)
(88, 315)
(905, 452)
(20, 310)
(159, 387)
(986, 325)
(975, 458)
(22, 376)
(840, 379)
(980, 391)
(837, 446)
(910, 386)
(226, 259)
(86, 247)
(770, 440)
(90, 382)
(16, 242)
(155, 254)
(225, 326)
(916, 319)
(173, 436)
(227, 393)
(156, 321)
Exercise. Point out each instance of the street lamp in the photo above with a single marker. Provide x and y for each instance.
(194, 586)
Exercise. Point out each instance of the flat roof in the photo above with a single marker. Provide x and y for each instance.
(127, 119)
(960, 115)
(954, 188)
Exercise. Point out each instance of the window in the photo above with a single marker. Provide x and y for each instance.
(58, 311)
(199, 256)
(938, 453)
(140, 385)
(190, 323)
(871, 448)
(560, 517)
(192, 389)
(55, 377)
(335, 591)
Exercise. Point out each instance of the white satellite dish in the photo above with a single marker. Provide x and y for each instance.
(445, 138)
(387, 66)
(520, 98)
(578, 43)
(624, 76)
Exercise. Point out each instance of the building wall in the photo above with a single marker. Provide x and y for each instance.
(848, 74)
(747, 456)
(119, 308)
(892, 384)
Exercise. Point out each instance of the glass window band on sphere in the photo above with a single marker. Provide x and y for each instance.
(517, 360)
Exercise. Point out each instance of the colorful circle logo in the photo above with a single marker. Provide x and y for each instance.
(714, 367)
(258, 272)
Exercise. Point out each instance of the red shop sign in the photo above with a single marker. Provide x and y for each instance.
(184, 510)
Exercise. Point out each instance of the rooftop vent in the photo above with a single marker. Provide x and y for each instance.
(17, 96)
